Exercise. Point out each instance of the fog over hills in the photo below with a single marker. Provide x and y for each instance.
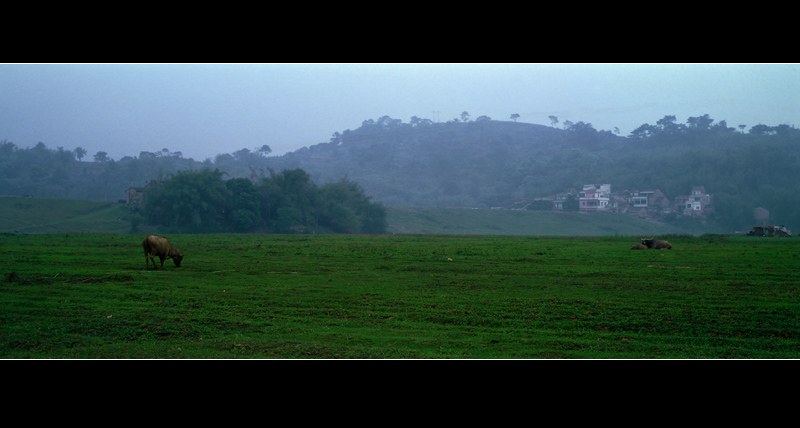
(488, 163)
(480, 163)
(475, 164)
(202, 110)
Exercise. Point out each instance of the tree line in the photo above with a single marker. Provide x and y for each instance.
(43, 172)
(201, 201)
(477, 163)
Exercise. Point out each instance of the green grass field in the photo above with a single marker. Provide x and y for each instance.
(73, 295)
(460, 221)
(34, 215)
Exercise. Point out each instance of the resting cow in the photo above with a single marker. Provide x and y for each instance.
(655, 244)
(157, 246)
(638, 247)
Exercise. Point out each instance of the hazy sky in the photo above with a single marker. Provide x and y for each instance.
(202, 110)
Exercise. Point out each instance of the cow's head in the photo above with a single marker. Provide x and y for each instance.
(177, 259)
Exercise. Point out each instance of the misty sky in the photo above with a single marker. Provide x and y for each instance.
(203, 110)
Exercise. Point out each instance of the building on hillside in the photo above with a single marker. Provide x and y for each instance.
(640, 199)
(595, 197)
(643, 203)
(620, 203)
(697, 204)
(560, 198)
(646, 202)
(134, 197)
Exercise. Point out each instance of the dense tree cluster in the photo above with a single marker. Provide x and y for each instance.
(46, 173)
(34, 171)
(286, 202)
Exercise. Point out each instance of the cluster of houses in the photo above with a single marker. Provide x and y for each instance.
(600, 198)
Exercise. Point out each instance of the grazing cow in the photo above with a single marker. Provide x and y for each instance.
(157, 246)
(638, 247)
(655, 244)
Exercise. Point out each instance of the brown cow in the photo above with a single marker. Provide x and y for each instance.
(638, 247)
(157, 246)
(655, 244)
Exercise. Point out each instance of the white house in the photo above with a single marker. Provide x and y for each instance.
(594, 197)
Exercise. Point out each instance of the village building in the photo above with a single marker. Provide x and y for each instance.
(560, 198)
(594, 197)
(134, 196)
(697, 204)
(639, 199)
(642, 203)
(647, 202)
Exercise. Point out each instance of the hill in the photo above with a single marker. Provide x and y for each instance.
(32, 215)
(476, 164)
(486, 164)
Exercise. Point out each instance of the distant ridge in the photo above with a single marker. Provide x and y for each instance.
(474, 164)
(477, 164)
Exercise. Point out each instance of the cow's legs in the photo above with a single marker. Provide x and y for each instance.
(147, 264)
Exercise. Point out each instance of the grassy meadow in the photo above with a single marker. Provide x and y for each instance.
(460, 221)
(36, 215)
(39, 215)
(87, 295)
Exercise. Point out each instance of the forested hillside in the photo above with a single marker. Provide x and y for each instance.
(491, 163)
(481, 163)
(474, 164)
